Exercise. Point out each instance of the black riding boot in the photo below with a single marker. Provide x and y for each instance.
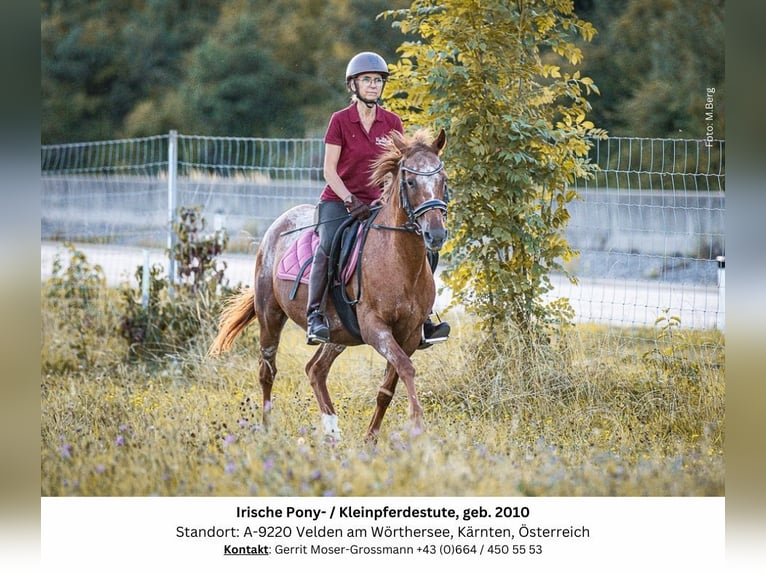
(433, 333)
(317, 330)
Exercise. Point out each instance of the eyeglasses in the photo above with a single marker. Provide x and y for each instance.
(367, 80)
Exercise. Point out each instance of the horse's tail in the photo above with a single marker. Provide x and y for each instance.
(236, 316)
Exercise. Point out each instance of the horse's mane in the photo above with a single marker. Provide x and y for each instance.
(397, 147)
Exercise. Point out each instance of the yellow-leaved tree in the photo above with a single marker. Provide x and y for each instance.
(500, 77)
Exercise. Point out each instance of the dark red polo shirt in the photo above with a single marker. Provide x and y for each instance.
(358, 149)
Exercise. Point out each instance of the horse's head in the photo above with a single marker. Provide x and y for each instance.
(420, 181)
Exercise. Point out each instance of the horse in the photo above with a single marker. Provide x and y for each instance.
(393, 284)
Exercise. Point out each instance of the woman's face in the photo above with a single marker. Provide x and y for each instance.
(369, 85)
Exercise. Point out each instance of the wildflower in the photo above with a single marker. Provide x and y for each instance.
(230, 467)
(229, 439)
(66, 451)
(120, 440)
(100, 468)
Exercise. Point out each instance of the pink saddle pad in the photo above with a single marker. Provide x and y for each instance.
(302, 250)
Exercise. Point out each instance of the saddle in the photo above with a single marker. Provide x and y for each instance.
(345, 259)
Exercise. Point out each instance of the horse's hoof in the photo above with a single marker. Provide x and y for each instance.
(330, 428)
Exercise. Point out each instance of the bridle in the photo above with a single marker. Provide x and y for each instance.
(413, 214)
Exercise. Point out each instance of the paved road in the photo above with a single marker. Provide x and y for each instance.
(626, 302)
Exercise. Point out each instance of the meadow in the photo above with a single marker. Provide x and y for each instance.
(597, 411)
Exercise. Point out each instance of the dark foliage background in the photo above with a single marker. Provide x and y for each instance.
(274, 68)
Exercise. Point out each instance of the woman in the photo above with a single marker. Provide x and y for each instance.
(354, 138)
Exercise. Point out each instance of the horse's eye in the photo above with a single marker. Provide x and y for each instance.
(411, 182)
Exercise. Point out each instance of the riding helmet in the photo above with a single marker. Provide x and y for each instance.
(366, 62)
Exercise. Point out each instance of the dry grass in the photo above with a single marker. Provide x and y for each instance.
(596, 412)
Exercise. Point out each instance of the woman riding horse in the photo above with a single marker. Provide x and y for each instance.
(353, 140)
(408, 224)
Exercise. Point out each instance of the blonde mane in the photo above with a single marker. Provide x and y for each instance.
(398, 146)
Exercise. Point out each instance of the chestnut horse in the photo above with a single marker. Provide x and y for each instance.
(397, 285)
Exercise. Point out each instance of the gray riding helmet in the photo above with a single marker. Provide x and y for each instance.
(366, 62)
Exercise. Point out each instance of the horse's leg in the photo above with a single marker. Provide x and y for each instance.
(385, 394)
(271, 319)
(317, 370)
(379, 336)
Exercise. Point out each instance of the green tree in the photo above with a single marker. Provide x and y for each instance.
(155, 42)
(77, 76)
(126, 68)
(654, 61)
(107, 65)
(234, 86)
(495, 75)
(315, 41)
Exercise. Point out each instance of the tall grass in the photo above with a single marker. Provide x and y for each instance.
(596, 411)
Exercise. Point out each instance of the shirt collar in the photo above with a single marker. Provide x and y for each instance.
(356, 118)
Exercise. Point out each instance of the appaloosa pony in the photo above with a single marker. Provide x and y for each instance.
(393, 283)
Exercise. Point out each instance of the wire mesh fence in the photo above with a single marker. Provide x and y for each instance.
(651, 235)
(649, 228)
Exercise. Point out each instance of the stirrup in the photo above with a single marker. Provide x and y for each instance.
(439, 334)
(317, 334)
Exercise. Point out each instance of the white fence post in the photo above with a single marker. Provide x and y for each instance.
(145, 281)
(172, 207)
(721, 259)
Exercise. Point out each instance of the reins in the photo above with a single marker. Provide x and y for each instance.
(334, 219)
(412, 225)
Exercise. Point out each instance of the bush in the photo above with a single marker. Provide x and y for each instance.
(164, 323)
(76, 296)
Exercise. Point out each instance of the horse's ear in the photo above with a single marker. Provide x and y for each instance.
(397, 138)
(440, 140)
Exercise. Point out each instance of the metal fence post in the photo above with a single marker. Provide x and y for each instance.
(721, 323)
(172, 207)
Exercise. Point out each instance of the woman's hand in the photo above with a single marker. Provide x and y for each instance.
(356, 208)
